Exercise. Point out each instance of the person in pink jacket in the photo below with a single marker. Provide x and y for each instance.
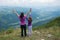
(22, 18)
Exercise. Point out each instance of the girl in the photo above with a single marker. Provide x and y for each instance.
(22, 18)
(29, 25)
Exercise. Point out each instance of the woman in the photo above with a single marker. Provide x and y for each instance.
(22, 18)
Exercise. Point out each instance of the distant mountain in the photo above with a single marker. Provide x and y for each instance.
(55, 22)
(52, 23)
(39, 16)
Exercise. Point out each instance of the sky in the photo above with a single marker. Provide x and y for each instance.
(30, 3)
(33, 3)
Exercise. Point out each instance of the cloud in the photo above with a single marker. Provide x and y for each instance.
(10, 2)
(42, 1)
(31, 3)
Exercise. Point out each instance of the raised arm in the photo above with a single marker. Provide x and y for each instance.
(16, 13)
(29, 12)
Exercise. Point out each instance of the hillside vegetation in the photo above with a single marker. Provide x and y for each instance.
(49, 31)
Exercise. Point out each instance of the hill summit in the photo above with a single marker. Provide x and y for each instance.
(49, 31)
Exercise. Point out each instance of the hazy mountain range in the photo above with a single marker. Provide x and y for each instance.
(40, 16)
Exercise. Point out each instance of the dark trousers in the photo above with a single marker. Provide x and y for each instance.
(23, 30)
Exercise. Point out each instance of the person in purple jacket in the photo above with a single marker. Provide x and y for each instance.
(22, 18)
(29, 25)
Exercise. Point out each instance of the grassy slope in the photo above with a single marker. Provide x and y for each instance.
(49, 31)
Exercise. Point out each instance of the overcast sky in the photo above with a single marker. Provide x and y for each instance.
(28, 3)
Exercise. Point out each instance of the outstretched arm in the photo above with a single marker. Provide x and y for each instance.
(29, 12)
(16, 13)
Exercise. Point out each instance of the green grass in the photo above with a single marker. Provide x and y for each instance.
(37, 34)
(49, 31)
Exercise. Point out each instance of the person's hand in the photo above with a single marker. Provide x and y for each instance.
(14, 11)
(30, 9)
